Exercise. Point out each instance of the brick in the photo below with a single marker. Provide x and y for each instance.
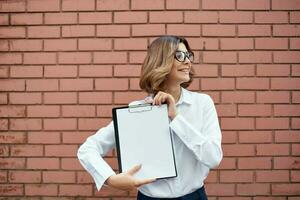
(127, 97)
(285, 136)
(237, 123)
(4, 151)
(254, 110)
(271, 17)
(78, 111)
(193, 17)
(229, 137)
(104, 111)
(272, 149)
(26, 71)
(236, 176)
(237, 70)
(180, 5)
(272, 123)
(70, 164)
(95, 97)
(76, 84)
(92, 123)
(4, 71)
(74, 57)
(12, 163)
(236, 43)
(255, 163)
(285, 189)
(78, 5)
(109, 5)
(43, 31)
(137, 57)
(235, 17)
(3, 124)
(294, 43)
(58, 177)
(78, 31)
(110, 57)
(12, 6)
(294, 17)
(75, 138)
(44, 137)
(150, 29)
(130, 44)
(113, 30)
(60, 44)
(60, 18)
(12, 111)
(60, 124)
(3, 98)
(133, 17)
(41, 189)
(226, 110)
(4, 45)
(147, 5)
(95, 71)
(286, 30)
(286, 163)
(217, 5)
(43, 111)
(285, 5)
(60, 150)
(286, 110)
(39, 58)
(255, 137)
(26, 19)
(204, 43)
(253, 189)
(273, 97)
(238, 150)
(253, 5)
(12, 137)
(4, 20)
(219, 57)
(111, 84)
(295, 70)
(237, 97)
(60, 98)
(205, 70)
(43, 163)
(252, 83)
(296, 97)
(25, 124)
(94, 44)
(3, 177)
(184, 29)
(41, 85)
(272, 176)
(295, 123)
(25, 45)
(12, 32)
(271, 43)
(25, 98)
(47, 5)
(84, 177)
(228, 163)
(254, 30)
(273, 70)
(287, 57)
(220, 189)
(60, 71)
(295, 150)
(217, 84)
(95, 17)
(75, 190)
(26, 150)
(11, 189)
(127, 70)
(295, 176)
(285, 83)
(218, 30)
(255, 57)
(11, 58)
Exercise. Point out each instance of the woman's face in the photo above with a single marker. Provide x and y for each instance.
(180, 70)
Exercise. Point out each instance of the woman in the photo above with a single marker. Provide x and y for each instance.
(166, 72)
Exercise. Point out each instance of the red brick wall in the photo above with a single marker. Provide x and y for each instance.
(65, 63)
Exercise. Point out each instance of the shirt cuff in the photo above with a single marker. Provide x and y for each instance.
(100, 178)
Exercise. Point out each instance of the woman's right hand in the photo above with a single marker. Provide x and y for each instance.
(126, 181)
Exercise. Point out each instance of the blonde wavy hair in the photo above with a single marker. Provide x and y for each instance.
(159, 62)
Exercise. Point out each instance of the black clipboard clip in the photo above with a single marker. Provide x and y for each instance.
(140, 108)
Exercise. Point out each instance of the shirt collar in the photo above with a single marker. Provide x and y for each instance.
(185, 97)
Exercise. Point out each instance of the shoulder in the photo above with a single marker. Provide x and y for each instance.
(199, 97)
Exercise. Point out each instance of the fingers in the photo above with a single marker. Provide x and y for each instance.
(134, 170)
(144, 181)
(160, 98)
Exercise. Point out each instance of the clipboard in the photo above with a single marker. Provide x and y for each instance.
(143, 136)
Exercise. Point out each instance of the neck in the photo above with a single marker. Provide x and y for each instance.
(175, 91)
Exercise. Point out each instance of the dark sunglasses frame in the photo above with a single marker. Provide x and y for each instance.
(189, 55)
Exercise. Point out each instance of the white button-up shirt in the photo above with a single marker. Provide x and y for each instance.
(197, 148)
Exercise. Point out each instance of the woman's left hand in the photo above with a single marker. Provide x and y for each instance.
(162, 97)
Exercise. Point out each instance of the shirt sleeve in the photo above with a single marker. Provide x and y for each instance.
(205, 143)
(90, 154)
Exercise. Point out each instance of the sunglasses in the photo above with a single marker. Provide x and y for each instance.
(181, 56)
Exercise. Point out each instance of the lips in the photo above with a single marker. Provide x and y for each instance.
(186, 70)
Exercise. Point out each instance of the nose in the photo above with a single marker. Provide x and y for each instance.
(187, 60)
